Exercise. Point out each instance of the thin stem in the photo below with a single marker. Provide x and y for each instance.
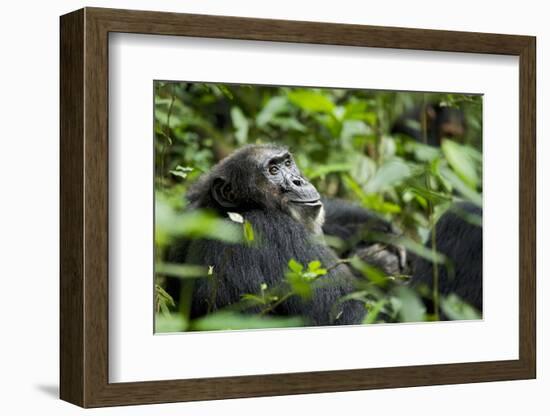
(274, 305)
(338, 263)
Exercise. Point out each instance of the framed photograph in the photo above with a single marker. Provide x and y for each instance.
(255, 207)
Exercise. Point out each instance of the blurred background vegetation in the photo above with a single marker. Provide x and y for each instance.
(345, 143)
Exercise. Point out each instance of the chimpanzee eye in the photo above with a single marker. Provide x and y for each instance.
(288, 162)
(273, 170)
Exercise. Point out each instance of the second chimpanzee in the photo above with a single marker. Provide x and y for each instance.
(432, 123)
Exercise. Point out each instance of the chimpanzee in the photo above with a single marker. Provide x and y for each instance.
(431, 124)
(262, 184)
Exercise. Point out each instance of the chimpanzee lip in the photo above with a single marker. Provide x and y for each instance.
(312, 202)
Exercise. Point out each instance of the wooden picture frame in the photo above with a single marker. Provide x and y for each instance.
(84, 207)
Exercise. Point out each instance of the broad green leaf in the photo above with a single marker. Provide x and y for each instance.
(389, 174)
(351, 128)
(275, 105)
(323, 170)
(193, 224)
(373, 201)
(300, 284)
(422, 152)
(314, 265)
(183, 271)
(411, 308)
(461, 161)
(456, 309)
(230, 320)
(170, 323)
(364, 168)
(458, 184)
(240, 123)
(358, 110)
(295, 266)
(288, 123)
(311, 100)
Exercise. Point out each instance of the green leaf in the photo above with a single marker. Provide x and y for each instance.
(194, 224)
(225, 91)
(372, 273)
(248, 232)
(427, 194)
(358, 110)
(373, 201)
(300, 284)
(163, 300)
(374, 311)
(295, 266)
(240, 123)
(288, 123)
(170, 323)
(389, 174)
(410, 307)
(311, 100)
(352, 128)
(457, 183)
(456, 309)
(183, 271)
(323, 170)
(422, 152)
(461, 161)
(314, 265)
(275, 105)
(230, 320)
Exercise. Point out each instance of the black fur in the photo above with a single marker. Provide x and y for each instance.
(240, 269)
(353, 225)
(462, 242)
(345, 220)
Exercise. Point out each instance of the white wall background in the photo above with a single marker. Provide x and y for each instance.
(29, 159)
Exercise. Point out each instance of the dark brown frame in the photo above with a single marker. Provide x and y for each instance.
(84, 208)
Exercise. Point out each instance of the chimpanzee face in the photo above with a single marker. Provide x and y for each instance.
(297, 196)
(266, 177)
(281, 171)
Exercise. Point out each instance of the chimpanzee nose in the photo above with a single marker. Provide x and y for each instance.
(297, 182)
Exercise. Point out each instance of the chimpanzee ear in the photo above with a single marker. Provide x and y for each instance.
(223, 193)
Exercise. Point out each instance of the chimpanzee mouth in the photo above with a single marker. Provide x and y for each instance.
(311, 203)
